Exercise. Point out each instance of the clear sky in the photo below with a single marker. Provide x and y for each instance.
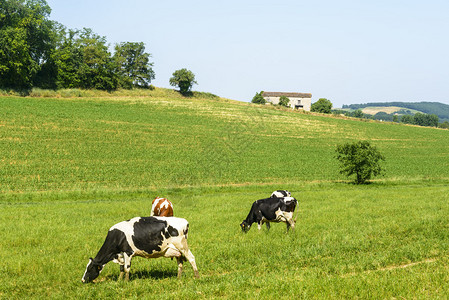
(347, 51)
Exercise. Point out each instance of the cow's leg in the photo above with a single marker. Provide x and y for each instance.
(122, 271)
(189, 256)
(127, 265)
(180, 260)
(121, 261)
(192, 262)
(259, 219)
(290, 224)
(268, 225)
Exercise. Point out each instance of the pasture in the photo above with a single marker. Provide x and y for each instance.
(368, 242)
(71, 168)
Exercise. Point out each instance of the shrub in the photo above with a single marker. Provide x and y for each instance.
(361, 159)
(258, 98)
(184, 79)
(284, 101)
(322, 106)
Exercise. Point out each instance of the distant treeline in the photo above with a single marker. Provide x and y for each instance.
(436, 108)
(38, 52)
(403, 116)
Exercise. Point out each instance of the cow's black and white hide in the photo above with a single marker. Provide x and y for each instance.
(148, 237)
(271, 210)
(280, 194)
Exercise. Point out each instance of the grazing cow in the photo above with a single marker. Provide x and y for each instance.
(161, 207)
(271, 210)
(148, 237)
(280, 194)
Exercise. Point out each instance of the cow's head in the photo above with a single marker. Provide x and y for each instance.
(92, 271)
(245, 226)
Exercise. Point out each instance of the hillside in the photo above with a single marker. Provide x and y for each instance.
(126, 143)
(70, 168)
(439, 109)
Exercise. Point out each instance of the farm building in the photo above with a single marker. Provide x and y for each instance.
(297, 100)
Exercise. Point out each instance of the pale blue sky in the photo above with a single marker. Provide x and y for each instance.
(347, 51)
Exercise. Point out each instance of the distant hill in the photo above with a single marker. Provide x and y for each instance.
(439, 109)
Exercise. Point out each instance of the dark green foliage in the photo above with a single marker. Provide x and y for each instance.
(356, 114)
(25, 41)
(444, 125)
(184, 79)
(133, 65)
(37, 52)
(359, 159)
(90, 65)
(259, 99)
(322, 106)
(407, 119)
(383, 116)
(425, 120)
(284, 101)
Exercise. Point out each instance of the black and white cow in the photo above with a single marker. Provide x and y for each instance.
(148, 237)
(280, 194)
(271, 210)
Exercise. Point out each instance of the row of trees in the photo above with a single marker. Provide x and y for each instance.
(38, 52)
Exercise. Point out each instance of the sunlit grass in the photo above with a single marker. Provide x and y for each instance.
(71, 167)
(126, 144)
(348, 242)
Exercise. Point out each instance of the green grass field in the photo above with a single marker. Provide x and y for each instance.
(73, 167)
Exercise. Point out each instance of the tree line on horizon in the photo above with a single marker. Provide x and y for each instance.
(436, 108)
(38, 52)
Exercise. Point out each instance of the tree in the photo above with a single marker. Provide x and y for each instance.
(133, 65)
(184, 79)
(425, 120)
(83, 61)
(444, 125)
(284, 101)
(258, 98)
(358, 114)
(407, 119)
(361, 159)
(383, 116)
(25, 41)
(322, 106)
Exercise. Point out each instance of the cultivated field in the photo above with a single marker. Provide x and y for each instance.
(372, 110)
(71, 168)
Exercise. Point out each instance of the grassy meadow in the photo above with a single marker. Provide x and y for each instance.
(70, 168)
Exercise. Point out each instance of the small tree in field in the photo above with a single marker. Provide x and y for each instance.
(361, 159)
(184, 79)
(322, 106)
(284, 101)
(259, 99)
